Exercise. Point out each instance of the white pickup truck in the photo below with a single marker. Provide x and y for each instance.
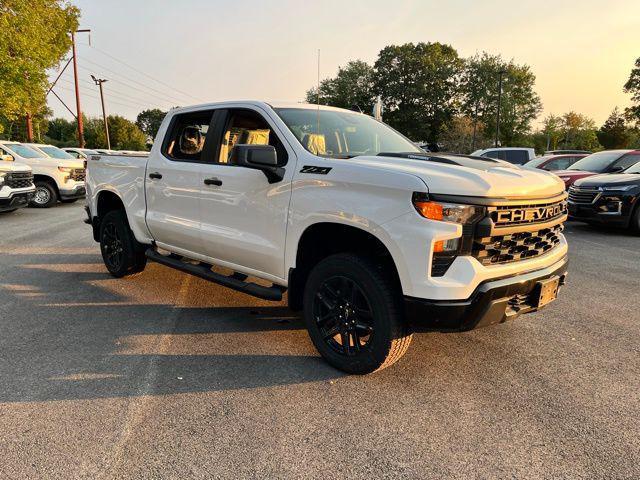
(57, 175)
(16, 184)
(368, 233)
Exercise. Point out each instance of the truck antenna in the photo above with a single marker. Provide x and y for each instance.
(318, 95)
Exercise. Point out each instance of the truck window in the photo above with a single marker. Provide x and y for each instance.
(186, 137)
(247, 127)
(517, 157)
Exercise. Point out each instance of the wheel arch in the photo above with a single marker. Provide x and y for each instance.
(322, 239)
(38, 177)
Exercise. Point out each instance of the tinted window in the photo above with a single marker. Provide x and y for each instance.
(561, 163)
(248, 127)
(627, 161)
(517, 157)
(186, 137)
(499, 154)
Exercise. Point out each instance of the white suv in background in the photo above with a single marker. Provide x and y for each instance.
(81, 153)
(514, 155)
(55, 178)
(16, 185)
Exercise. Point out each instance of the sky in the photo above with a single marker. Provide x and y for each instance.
(161, 53)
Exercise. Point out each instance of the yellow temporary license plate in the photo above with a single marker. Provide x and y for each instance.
(548, 290)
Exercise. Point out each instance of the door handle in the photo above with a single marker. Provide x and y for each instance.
(213, 181)
(155, 175)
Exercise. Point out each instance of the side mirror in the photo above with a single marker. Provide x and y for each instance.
(7, 158)
(258, 157)
(617, 168)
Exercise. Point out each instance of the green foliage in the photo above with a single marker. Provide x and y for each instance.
(351, 88)
(124, 134)
(633, 87)
(419, 85)
(35, 37)
(614, 133)
(458, 135)
(520, 105)
(149, 121)
(569, 131)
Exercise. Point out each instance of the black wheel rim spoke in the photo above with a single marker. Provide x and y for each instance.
(343, 315)
(112, 246)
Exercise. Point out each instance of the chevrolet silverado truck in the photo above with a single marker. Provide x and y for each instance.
(368, 234)
(16, 185)
(55, 178)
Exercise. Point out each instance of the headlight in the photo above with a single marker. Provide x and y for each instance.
(65, 169)
(621, 188)
(447, 212)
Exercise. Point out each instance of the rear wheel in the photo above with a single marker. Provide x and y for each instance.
(121, 253)
(45, 195)
(355, 315)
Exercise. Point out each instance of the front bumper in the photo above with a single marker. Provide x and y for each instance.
(16, 200)
(492, 302)
(79, 191)
(608, 209)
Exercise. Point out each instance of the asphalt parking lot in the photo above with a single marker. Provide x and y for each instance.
(168, 376)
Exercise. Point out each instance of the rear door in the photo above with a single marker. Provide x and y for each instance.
(244, 217)
(173, 182)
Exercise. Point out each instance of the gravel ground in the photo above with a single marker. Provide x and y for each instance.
(168, 376)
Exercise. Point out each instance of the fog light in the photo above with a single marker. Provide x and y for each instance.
(450, 245)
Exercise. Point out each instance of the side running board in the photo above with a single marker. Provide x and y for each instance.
(236, 281)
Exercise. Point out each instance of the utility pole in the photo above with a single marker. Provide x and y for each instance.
(500, 74)
(75, 78)
(99, 82)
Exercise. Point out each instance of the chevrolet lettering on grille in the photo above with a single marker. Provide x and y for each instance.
(531, 214)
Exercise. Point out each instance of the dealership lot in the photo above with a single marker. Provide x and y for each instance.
(166, 375)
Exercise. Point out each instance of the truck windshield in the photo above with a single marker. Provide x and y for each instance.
(55, 152)
(341, 134)
(23, 151)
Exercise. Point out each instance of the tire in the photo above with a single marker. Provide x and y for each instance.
(634, 223)
(348, 296)
(121, 252)
(46, 195)
(69, 200)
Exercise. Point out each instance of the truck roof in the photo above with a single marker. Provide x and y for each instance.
(258, 103)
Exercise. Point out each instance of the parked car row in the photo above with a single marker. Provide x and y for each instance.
(603, 187)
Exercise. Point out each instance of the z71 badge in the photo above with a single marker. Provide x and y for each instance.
(316, 170)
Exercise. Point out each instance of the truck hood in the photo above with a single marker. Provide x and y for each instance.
(6, 167)
(466, 176)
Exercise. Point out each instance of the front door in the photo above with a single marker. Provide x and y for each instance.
(244, 217)
(173, 183)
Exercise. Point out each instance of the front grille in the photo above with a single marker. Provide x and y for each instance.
(517, 246)
(19, 179)
(508, 215)
(78, 174)
(583, 195)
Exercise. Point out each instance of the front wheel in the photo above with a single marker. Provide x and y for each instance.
(354, 314)
(121, 253)
(45, 195)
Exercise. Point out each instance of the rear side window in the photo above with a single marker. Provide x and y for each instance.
(517, 157)
(186, 136)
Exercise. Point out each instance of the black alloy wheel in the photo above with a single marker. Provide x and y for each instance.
(121, 253)
(112, 248)
(343, 314)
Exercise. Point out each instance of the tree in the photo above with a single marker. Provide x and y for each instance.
(35, 37)
(520, 104)
(125, 135)
(149, 121)
(614, 133)
(457, 136)
(351, 88)
(419, 85)
(62, 132)
(633, 87)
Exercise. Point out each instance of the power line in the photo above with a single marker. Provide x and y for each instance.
(145, 74)
(164, 94)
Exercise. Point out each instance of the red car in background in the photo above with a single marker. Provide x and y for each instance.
(555, 162)
(607, 161)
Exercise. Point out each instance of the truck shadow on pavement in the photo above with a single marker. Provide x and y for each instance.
(72, 332)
